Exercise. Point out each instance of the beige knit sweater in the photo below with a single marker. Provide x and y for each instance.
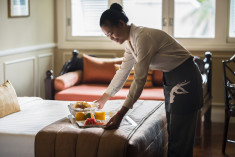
(147, 48)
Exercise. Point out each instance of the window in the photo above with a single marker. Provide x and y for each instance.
(146, 13)
(85, 17)
(194, 18)
(197, 24)
(232, 19)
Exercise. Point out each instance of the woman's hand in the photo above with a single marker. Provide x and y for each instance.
(102, 100)
(100, 105)
(114, 122)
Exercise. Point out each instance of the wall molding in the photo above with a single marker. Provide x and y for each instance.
(24, 60)
(218, 104)
(26, 49)
(101, 45)
(19, 60)
(1, 73)
(45, 55)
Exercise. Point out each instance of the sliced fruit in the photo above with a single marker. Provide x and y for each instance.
(88, 115)
(90, 121)
(99, 123)
(92, 115)
(80, 116)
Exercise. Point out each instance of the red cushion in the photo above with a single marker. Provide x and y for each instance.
(157, 78)
(99, 70)
(130, 78)
(67, 80)
(91, 92)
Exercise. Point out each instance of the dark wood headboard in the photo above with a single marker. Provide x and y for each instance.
(75, 63)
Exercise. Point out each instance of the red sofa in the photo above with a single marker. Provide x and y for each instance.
(90, 81)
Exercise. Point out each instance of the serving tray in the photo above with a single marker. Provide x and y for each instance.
(80, 124)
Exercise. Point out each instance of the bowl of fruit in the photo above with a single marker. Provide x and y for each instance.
(89, 116)
(83, 106)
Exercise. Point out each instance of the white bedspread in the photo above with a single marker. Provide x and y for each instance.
(35, 114)
(18, 130)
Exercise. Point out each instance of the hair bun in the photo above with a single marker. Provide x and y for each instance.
(117, 7)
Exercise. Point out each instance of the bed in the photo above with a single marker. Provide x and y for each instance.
(18, 130)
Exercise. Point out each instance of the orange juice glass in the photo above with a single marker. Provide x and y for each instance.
(100, 115)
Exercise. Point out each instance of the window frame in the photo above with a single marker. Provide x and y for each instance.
(69, 28)
(220, 42)
(229, 39)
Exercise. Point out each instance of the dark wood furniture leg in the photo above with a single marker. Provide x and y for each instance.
(229, 96)
(225, 134)
(198, 137)
(207, 118)
(49, 85)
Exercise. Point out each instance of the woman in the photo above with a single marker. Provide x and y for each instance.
(152, 48)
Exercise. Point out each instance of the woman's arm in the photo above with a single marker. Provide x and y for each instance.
(121, 75)
(144, 57)
(145, 51)
(119, 78)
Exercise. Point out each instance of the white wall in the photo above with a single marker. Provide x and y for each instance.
(27, 47)
(36, 29)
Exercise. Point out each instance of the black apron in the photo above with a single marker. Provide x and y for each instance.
(183, 88)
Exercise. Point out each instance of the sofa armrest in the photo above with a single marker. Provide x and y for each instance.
(68, 80)
(75, 63)
(49, 85)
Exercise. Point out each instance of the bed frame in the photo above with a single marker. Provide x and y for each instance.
(205, 66)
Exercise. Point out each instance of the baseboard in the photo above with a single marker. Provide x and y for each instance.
(218, 114)
(218, 104)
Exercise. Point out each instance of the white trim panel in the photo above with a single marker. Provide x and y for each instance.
(1, 73)
(40, 87)
(20, 61)
(26, 49)
(64, 56)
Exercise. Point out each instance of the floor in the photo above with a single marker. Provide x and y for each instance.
(212, 142)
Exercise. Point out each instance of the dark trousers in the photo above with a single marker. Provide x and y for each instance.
(181, 132)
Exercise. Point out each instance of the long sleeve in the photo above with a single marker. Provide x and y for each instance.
(144, 53)
(121, 75)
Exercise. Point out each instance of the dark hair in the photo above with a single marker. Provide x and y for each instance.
(113, 15)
